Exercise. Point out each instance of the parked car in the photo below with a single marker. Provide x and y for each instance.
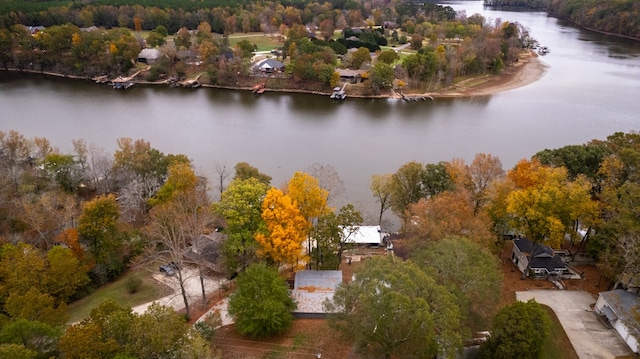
(166, 269)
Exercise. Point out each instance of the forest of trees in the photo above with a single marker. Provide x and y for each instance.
(617, 17)
(447, 46)
(93, 215)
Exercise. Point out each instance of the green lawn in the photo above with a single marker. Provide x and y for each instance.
(264, 42)
(149, 290)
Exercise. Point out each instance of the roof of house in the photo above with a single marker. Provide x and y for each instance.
(206, 247)
(365, 235)
(623, 305)
(543, 256)
(149, 54)
(270, 64)
(313, 287)
(349, 72)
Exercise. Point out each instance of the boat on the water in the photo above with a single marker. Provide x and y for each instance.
(338, 93)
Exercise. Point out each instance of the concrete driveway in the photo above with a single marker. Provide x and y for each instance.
(590, 338)
(193, 289)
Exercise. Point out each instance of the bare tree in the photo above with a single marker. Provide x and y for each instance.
(330, 181)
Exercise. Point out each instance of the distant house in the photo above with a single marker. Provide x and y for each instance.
(544, 262)
(270, 66)
(622, 309)
(370, 235)
(34, 29)
(206, 250)
(149, 56)
(351, 76)
(311, 289)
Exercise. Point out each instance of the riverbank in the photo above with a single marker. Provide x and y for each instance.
(527, 70)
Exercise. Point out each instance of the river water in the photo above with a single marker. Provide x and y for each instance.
(591, 89)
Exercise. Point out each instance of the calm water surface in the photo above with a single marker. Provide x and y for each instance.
(591, 88)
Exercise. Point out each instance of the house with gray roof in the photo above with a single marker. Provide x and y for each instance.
(621, 309)
(149, 56)
(270, 66)
(544, 261)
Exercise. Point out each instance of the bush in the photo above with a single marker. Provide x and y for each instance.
(133, 284)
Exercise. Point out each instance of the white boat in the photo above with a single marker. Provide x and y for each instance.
(338, 93)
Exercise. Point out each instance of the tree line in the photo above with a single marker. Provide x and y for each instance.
(612, 17)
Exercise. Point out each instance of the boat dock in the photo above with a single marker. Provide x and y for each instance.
(123, 83)
(338, 93)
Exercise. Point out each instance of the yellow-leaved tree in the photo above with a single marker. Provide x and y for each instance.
(286, 229)
(546, 204)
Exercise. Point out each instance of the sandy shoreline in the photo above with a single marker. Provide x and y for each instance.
(526, 71)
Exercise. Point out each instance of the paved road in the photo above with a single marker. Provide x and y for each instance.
(591, 339)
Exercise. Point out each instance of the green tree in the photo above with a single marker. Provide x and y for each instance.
(391, 307)
(406, 187)
(98, 228)
(333, 235)
(469, 271)
(31, 337)
(381, 76)
(359, 58)
(66, 273)
(381, 188)
(240, 206)
(11, 351)
(519, 331)
(261, 306)
(246, 171)
(388, 57)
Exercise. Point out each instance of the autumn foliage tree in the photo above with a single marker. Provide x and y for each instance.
(98, 228)
(285, 230)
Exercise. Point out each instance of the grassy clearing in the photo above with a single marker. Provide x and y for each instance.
(149, 290)
(263, 41)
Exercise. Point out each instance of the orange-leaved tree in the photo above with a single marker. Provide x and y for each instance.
(285, 230)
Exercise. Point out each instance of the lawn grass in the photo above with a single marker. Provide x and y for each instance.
(149, 290)
(263, 41)
(558, 345)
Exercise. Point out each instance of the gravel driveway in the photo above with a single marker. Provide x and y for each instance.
(591, 339)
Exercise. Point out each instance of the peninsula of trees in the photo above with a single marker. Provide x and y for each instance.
(315, 39)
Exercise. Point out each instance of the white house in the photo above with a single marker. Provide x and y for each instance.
(370, 235)
(621, 308)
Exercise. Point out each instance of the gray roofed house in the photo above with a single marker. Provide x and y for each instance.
(311, 289)
(621, 309)
(351, 76)
(270, 65)
(149, 56)
(206, 249)
(544, 263)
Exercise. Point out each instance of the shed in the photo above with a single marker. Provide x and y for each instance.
(311, 289)
(544, 262)
(621, 309)
(149, 56)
